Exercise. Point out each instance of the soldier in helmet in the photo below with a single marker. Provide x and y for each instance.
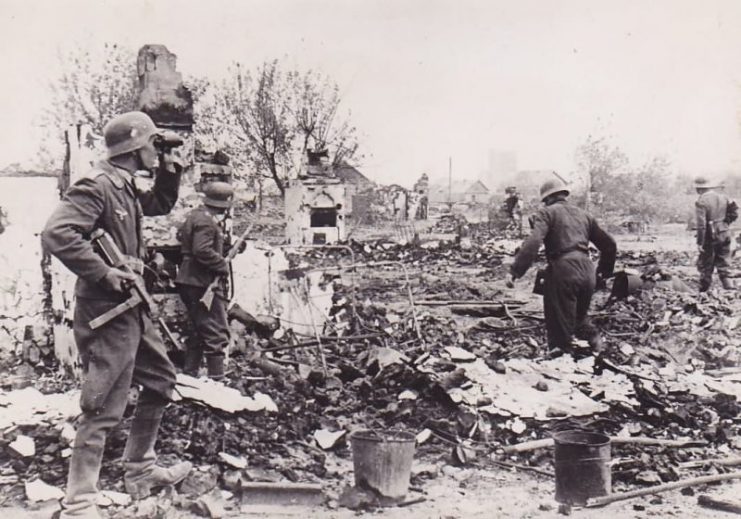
(570, 280)
(513, 208)
(713, 234)
(202, 245)
(127, 349)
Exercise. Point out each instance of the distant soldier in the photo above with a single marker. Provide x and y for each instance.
(202, 245)
(714, 213)
(513, 208)
(570, 277)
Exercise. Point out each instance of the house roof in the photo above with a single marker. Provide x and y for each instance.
(350, 175)
(477, 187)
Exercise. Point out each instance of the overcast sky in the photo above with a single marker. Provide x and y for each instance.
(429, 79)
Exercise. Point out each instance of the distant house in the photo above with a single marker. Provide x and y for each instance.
(476, 193)
(351, 176)
(357, 190)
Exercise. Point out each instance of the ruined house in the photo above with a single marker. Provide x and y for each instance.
(315, 210)
(259, 287)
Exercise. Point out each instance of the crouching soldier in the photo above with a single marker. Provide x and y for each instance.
(202, 245)
(570, 276)
(127, 348)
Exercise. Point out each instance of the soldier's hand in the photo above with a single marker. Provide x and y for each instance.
(700, 249)
(170, 163)
(118, 280)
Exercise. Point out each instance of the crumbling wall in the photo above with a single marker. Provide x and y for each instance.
(304, 195)
(163, 95)
(265, 286)
(27, 202)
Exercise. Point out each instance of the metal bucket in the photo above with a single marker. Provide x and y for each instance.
(582, 466)
(382, 461)
(625, 284)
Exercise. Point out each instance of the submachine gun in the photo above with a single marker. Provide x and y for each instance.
(207, 299)
(137, 291)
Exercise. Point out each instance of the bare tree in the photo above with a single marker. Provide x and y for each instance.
(600, 163)
(276, 115)
(93, 86)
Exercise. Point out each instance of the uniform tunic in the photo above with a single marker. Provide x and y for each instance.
(128, 347)
(713, 236)
(566, 231)
(202, 245)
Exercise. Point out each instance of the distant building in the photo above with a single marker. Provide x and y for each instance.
(460, 192)
(357, 191)
(477, 193)
(352, 177)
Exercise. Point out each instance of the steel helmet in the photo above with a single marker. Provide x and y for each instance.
(706, 183)
(218, 194)
(128, 132)
(552, 186)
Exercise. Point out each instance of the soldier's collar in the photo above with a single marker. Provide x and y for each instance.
(118, 175)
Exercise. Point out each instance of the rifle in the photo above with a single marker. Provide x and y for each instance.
(208, 296)
(138, 294)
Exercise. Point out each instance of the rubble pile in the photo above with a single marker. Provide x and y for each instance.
(448, 354)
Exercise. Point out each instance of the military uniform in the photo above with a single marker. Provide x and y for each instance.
(714, 237)
(127, 349)
(566, 231)
(202, 245)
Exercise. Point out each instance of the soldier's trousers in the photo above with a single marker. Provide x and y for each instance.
(210, 327)
(569, 286)
(123, 351)
(714, 256)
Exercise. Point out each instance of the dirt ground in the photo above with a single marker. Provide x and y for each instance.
(479, 492)
(473, 494)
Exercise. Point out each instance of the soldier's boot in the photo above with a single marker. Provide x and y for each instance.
(728, 283)
(705, 284)
(193, 360)
(82, 484)
(215, 365)
(596, 342)
(142, 474)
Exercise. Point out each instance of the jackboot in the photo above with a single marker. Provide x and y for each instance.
(142, 474)
(728, 283)
(82, 484)
(215, 365)
(193, 359)
(596, 342)
(705, 285)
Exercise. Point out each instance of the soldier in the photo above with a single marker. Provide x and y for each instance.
(513, 208)
(570, 278)
(202, 245)
(128, 348)
(713, 234)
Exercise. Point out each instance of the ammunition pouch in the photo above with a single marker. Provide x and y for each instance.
(719, 231)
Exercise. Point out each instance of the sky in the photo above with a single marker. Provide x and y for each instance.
(429, 80)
